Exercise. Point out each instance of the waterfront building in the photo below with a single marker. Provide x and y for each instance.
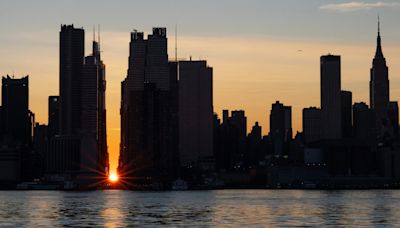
(280, 127)
(379, 86)
(195, 112)
(331, 114)
(149, 112)
(72, 47)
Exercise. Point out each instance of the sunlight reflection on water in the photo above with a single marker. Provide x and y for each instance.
(199, 208)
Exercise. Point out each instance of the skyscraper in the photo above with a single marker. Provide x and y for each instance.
(195, 112)
(16, 115)
(78, 145)
(331, 97)
(63, 157)
(150, 60)
(17, 128)
(72, 46)
(148, 111)
(280, 126)
(379, 85)
(254, 151)
(94, 155)
(281, 121)
(234, 135)
(103, 156)
(157, 70)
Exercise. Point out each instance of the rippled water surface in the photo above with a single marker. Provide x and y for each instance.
(249, 208)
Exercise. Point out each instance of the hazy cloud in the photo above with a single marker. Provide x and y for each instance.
(355, 6)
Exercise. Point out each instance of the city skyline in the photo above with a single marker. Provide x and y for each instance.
(230, 79)
(202, 112)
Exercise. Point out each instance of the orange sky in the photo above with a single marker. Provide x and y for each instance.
(249, 73)
(253, 47)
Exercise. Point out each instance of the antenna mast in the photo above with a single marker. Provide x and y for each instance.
(379, 25)
(176, 43)
(98, 34)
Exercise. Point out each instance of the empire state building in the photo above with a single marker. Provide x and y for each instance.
(379, 85)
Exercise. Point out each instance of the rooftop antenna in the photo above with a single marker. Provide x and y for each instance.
(379, 25)
(134, 34)
(98, 34)
(98, 37)
(94, 33)
(176, 43)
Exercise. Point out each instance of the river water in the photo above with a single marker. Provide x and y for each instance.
(237, 208)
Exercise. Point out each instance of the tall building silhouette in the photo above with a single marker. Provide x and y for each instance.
(148, 111)
(254, 149)
(280, 127)
(195, 112)
(15, 105)
(16, 159)
(103, 157)
(331, 97)
(157, 68)
(72, 47)
(94, 155)
(77, 147)
(379, 85)
(231, 145)
(150, 60)
(281, 121)
(64, 155)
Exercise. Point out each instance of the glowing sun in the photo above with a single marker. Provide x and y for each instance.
(113, 177)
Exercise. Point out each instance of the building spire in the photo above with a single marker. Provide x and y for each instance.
(378, 53)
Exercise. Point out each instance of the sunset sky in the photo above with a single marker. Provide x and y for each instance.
(261, 50)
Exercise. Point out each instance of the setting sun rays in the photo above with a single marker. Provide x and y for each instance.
(113, 177)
